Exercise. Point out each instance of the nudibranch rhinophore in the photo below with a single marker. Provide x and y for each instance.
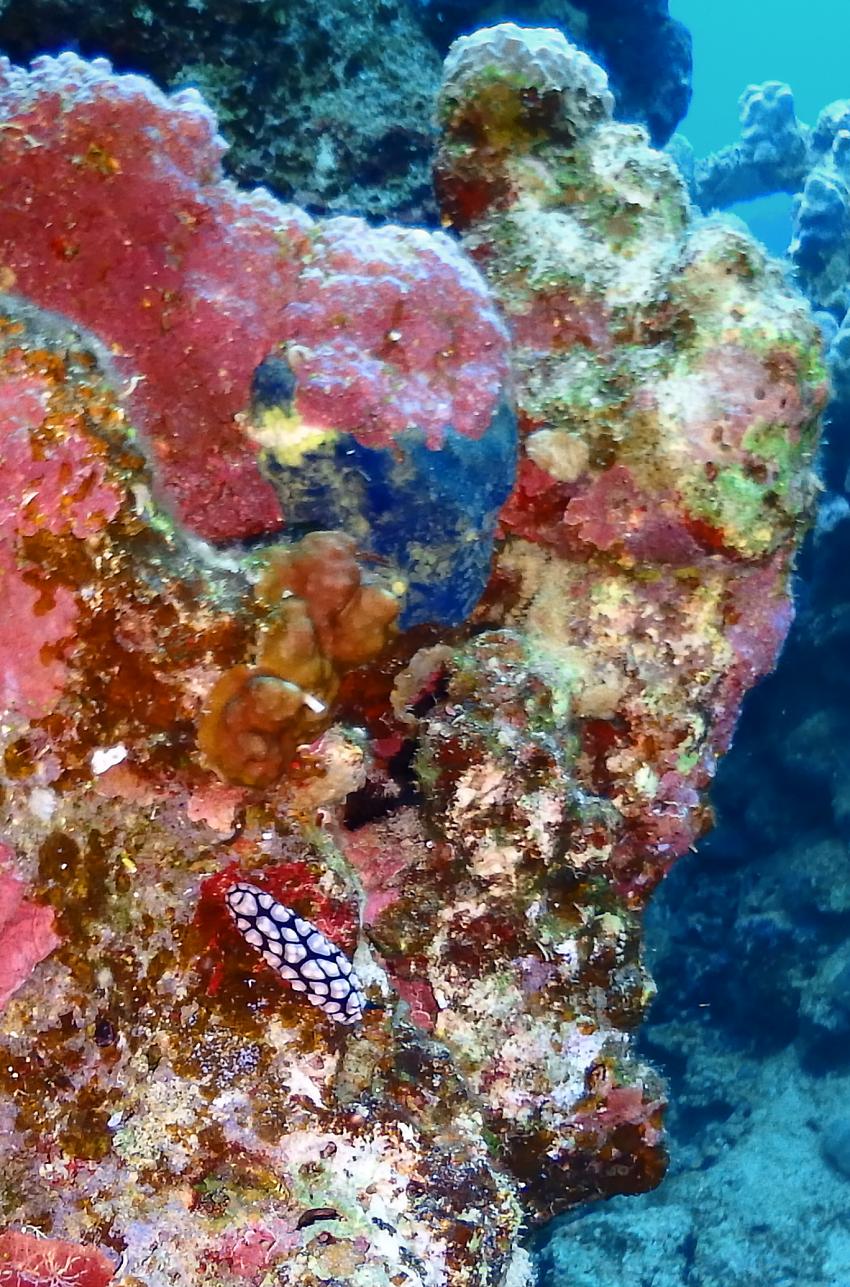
(298, 951)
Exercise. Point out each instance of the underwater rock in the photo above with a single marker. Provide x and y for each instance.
(328, 105)
(825, 1013)
(590, 1252)
(472, 805)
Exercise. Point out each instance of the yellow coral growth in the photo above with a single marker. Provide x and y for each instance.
(320, 618)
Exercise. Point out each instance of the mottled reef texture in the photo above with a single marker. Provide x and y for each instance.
(332, 105)
(463, 733)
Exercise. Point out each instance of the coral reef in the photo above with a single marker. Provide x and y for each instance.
(749, 935)
(169, 1094)
(749, 945)
(331, 106)
(646, 552)
(391, 349)
(818, 248)
(467, 791)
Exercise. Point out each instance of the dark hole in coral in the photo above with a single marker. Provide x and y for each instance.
(438, 691)
(273, 383)
(379, 798)
(104, 1032)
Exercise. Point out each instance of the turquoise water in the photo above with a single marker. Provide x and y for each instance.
(741, 42)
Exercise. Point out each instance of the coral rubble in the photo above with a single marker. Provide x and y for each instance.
(286, 616)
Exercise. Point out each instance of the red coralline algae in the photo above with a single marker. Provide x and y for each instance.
(31, 676)
(114, 213)
(63, 491)
(27, 935)
(169, 308)
(395, 332)
(249, 1253)
(26, 1261)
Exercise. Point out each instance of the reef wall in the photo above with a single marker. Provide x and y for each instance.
(372, 635)
(332, 105)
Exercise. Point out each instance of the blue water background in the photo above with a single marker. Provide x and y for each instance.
(743, 42)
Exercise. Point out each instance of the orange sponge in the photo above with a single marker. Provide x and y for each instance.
(320, 617)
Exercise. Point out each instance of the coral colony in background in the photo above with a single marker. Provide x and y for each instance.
(778, 153)
(375, 612)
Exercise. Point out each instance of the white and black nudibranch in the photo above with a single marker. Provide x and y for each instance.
(298, 951)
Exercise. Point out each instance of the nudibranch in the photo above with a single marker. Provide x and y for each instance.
(298, 951)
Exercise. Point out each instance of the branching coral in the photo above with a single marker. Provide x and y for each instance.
(774, 153)
(778, 153)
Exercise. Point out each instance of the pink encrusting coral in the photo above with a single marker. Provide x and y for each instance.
(62, 490)
(26, 1261)
(117, 178)
(114, 213)
(27, 935)
(396, 331)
